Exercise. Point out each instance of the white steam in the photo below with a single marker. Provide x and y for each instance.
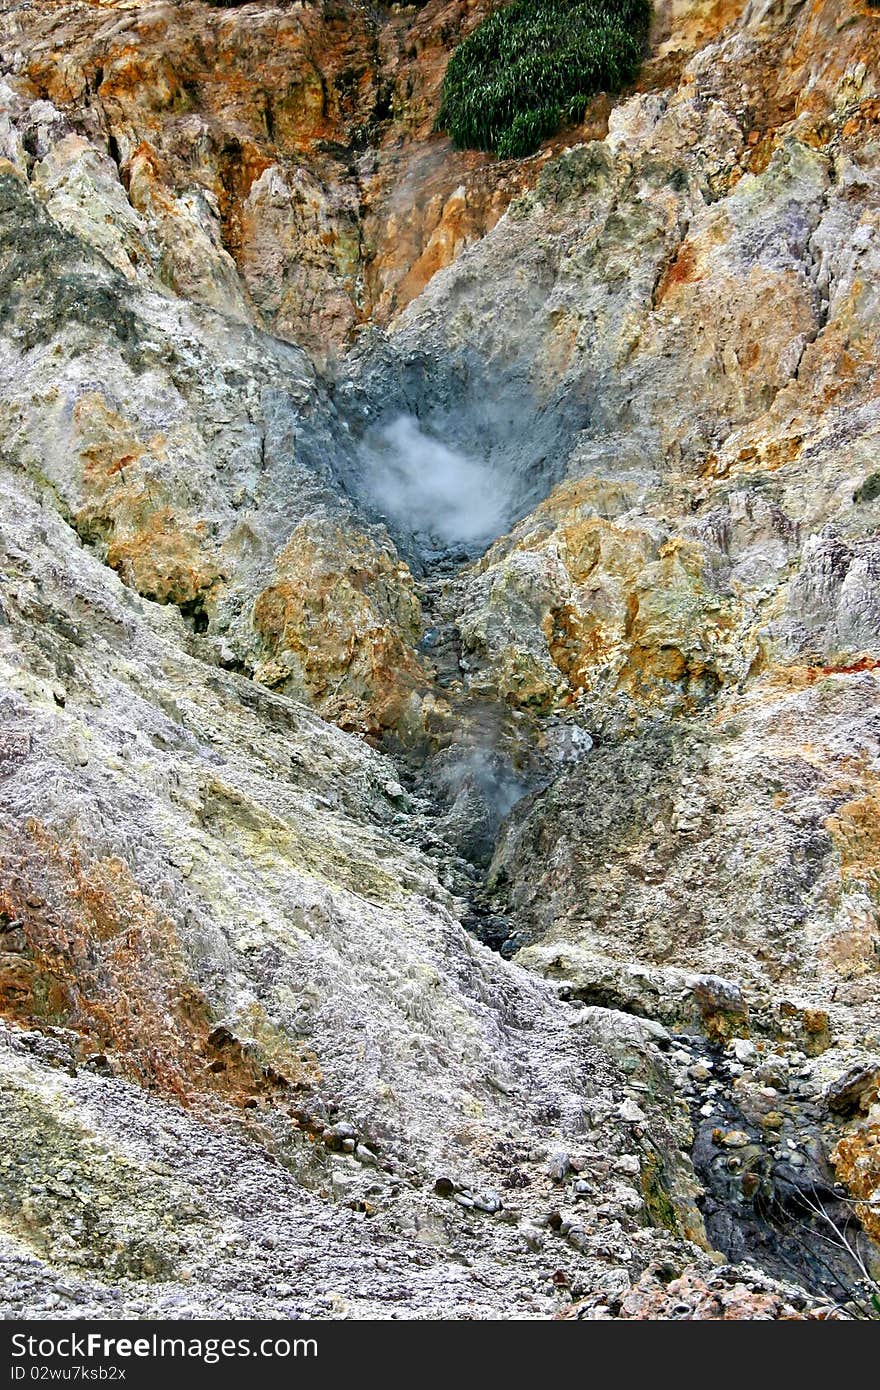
(429, 489)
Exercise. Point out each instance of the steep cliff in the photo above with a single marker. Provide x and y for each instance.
(440, 634)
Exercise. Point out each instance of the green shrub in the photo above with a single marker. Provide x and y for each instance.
(534, 64)
(527, 130)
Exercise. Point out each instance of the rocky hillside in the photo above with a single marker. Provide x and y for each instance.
(439, 651)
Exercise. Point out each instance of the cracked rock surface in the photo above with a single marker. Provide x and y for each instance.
(396, 931)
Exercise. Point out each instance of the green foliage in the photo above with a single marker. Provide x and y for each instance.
(534, 64)
(527, 130)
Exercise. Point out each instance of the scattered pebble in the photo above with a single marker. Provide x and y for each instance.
(744, 1051)
(628, 1163)
(630, 1111)
(735, 1139)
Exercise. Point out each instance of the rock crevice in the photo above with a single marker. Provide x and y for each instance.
(405, 554)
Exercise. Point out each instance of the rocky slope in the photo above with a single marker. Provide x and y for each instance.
(402, 926)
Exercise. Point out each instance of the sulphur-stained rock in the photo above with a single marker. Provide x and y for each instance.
(337, 625)
(108, 965)
(194, 101)
(696, 1296)
(218, 903)
(241, 134)
(723, 1008)
(297, 142)
(299, 257)
(856, 1160)
(557, 480)
(140, 456)
(750, 803)
(833, 606)
(461, 196)
(79, 187)
(190, 257)
(612, 609)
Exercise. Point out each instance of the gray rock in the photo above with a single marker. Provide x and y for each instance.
(744, 1051)
(559, 1166)
(854, 1090)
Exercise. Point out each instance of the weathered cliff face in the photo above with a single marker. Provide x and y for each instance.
(255, 1059)
(268, 151)
(279, 156)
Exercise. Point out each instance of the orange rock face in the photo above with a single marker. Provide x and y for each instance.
(129, 508)
(84, 950)
(336, 626)
(857, 1163)
(661, 683)
(260, 115)
(295, 143)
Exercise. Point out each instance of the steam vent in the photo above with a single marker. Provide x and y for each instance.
(440, 660)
